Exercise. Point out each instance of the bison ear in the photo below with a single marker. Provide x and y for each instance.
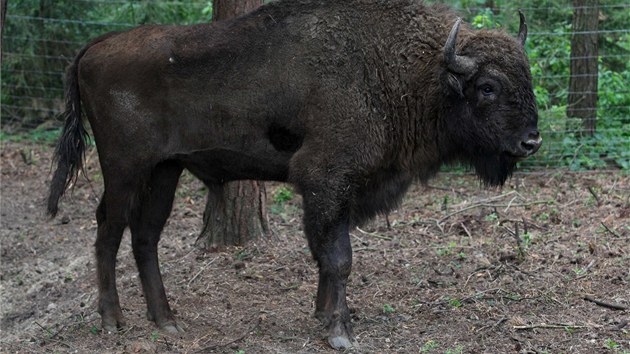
(457, 63)
(455, 84)
(522, 28)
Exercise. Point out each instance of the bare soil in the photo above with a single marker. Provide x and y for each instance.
(459, 269)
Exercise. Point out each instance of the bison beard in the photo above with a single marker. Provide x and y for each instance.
(349, 100)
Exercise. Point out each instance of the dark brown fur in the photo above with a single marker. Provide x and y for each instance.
(349, 100)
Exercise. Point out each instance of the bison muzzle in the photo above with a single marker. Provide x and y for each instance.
(348, 100)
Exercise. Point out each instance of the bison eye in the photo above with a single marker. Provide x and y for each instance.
(487, 90)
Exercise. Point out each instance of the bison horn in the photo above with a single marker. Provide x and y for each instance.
(457, 63)
(522, 29)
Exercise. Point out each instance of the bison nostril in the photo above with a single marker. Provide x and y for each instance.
(534, 135)
(528, 145)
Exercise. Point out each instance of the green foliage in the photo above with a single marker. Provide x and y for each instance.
(155, 335)
(36, 136)
(42, 36)
(283, 195)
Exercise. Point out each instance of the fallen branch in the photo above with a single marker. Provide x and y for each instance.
(609, 230)
(590, 189)
(478, 205)
(605, 304)
(551, 326)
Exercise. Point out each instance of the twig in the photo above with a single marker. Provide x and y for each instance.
(215, 346)
(490, 206)
(493, 325)
(545, 325)
(466, 230)
(605, 304)
(373, 234)
(609, 230)
(201, 270)
(590, 189)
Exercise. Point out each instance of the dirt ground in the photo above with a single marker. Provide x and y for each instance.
(539, 266)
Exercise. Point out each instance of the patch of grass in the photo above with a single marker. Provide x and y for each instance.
(45, 136)
(155, 335)
(448, 250)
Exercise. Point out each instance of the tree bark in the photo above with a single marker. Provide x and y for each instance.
(3, 13)
(236, 212)
(582, 99)
(225, 9)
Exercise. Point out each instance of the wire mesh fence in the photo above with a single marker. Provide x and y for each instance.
(41, 37)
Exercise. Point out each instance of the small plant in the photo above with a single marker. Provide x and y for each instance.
(443, 251)
(387, 308)
(491, 217)
(578, 271)
(428, 346)
(611, 344)
(240, 351)
(243, 254)
(448, 250)
(155, 335)
(456, 303)
(68, 278)
(457, 350)
(283, 195)
(94, 329)
(526, 239)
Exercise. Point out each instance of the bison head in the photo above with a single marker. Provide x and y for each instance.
(491, 114)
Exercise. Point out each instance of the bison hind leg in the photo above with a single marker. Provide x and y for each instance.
(109, 235)
(146, 223)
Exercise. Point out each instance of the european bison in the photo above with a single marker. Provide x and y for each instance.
(349, 100)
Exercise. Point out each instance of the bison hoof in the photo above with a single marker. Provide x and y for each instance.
(172, 328)
(112, 325)
(340, 336)
(341, 343)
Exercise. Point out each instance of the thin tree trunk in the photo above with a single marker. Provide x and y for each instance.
(3, 13)
(235, 213)
(582, 99)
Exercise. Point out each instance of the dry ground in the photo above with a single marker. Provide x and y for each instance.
(460, 269)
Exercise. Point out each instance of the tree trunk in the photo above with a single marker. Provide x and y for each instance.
(236, 212)
(3, 13)
(582, 100)
(225, 9)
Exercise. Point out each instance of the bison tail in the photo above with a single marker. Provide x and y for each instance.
(70, 149)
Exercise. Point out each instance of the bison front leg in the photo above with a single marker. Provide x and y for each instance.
(326, 227)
